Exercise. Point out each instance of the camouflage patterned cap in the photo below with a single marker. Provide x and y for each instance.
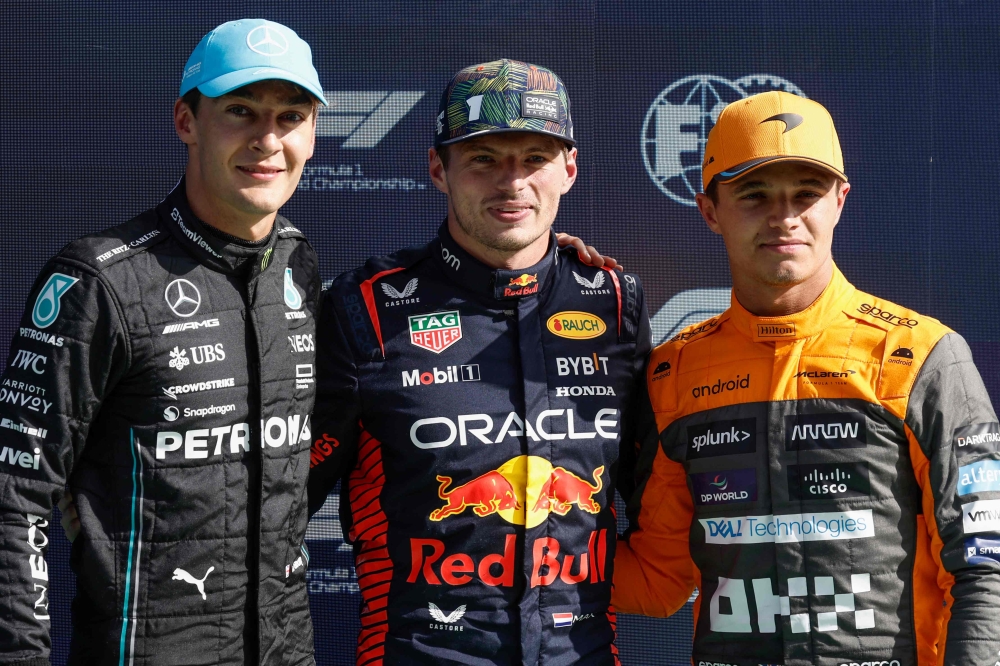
(503, 96)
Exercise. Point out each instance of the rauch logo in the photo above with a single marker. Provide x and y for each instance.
(576, 325)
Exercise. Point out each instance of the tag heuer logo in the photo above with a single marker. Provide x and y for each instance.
(436, 331)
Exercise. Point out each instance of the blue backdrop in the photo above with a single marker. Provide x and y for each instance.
(912, 86)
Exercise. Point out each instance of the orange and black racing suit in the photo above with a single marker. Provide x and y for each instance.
(830, 482)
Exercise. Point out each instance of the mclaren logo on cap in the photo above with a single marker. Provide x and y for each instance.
(791, 120)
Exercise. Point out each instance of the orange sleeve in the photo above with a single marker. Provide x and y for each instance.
(654, 573)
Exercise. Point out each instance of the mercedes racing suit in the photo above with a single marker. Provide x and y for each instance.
(829, 480)
(165, 374)
(477, 417)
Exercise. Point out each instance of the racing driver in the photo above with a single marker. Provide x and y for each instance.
(163, 368)
(826, 466)
(474, 393)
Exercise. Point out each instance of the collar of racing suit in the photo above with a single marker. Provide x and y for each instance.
(804, 324)
(497, 283)
(228, 256)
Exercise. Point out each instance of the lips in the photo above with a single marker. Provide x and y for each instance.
(260, 171)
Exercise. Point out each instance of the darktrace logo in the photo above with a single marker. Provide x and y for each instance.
(845, 430)
(977, 440)
(887, 317)
(661, 371)
(722, 438)
(734, 485)
(776, 330)
(684, 336)
(828, 481)
(722, 386)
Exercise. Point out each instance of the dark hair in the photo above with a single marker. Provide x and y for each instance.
(192, 98)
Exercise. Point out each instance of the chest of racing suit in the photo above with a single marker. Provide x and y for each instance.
(166, 376)
(477, 417)
(828, 481)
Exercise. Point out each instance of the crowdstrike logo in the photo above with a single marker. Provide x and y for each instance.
(676, 127)
(196, 387)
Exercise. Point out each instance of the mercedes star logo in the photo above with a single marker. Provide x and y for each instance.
(182, 297)
(267, 40)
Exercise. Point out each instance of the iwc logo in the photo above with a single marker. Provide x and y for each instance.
(677, 124)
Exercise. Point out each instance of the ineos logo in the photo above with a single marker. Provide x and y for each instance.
(183, 297)
(450, 259)
(267, 40)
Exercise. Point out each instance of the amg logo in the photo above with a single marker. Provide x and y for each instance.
(825, 431)
(189, 326)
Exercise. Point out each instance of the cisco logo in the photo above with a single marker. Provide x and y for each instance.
(677, 124)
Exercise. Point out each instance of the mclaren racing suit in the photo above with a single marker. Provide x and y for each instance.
(477, 416)
(165, 374)
(828, 480)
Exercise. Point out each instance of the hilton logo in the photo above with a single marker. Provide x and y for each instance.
(775, 330)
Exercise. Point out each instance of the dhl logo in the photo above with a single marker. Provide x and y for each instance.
(523, 280)
(522, 491)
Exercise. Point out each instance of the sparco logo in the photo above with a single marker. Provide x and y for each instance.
(888, 317)
(721, 385)
(677, 124)
(825, 431)
(722, 438)
(875, 662)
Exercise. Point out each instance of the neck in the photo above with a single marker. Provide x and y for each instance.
(766, 300)
(214, 212)
(513, 260)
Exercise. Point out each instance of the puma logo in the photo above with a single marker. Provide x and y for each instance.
(180, 574)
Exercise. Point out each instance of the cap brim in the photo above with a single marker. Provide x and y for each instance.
(741, 170)
(226, 83)
(500, 130)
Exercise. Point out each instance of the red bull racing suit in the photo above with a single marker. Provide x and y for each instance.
(829, 480)
(476, 416)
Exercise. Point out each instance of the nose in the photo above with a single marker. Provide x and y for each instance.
(265, 138)
(512, 175)
(785, 215)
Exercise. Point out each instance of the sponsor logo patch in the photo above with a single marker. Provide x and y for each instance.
(189, 326)
(540, 104)
(981, 550)
(790, 528)
(978, 439)
(843, 430)
(979, 477)
(722, 438)
(981, 516)
(888, 317)
(721, 386)
(450, 374)
(776, 330)
(828, 481)
(733, 485)
(47, 304)
(435, 331)
(522, 285)
(576, 325)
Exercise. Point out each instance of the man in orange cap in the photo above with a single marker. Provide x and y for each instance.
(824, 464)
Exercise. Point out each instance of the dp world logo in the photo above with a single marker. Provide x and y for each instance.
(677, 124)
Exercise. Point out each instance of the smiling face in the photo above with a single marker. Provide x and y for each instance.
(246, 150)
(503, 193)
(777, 223)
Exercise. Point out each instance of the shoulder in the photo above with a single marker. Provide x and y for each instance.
(903, 328)
(97, 252)
(378, 268)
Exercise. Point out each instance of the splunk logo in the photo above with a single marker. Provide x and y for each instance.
(846, 430)
(722, 438)
(722, 386)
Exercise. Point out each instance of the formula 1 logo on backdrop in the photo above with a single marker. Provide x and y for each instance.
(677, 124)
(364, 117)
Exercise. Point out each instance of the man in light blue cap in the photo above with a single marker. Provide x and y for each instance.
(168, 384)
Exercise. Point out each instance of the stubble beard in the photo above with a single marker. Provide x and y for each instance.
(498, 243)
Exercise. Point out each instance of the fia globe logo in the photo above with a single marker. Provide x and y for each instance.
(677, 124)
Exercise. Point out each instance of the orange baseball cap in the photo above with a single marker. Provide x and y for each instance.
(770, 127)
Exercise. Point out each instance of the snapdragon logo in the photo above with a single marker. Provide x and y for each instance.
(789, 528)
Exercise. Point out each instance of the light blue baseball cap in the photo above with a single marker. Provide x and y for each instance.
(242, 52)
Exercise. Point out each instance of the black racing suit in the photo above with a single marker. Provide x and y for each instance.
(478, 417)
(165, 375)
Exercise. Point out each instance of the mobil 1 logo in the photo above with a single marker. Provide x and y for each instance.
(840, 430)
(722, 438)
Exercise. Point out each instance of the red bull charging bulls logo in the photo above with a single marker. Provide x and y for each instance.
(486, 494)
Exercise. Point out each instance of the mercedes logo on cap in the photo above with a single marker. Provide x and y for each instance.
(182, 297)
(267, 40)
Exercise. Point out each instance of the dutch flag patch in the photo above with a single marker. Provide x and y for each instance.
(562, 620)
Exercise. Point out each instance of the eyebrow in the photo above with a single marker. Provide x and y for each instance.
(537, 148)
(760, 185)
(292, 100)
